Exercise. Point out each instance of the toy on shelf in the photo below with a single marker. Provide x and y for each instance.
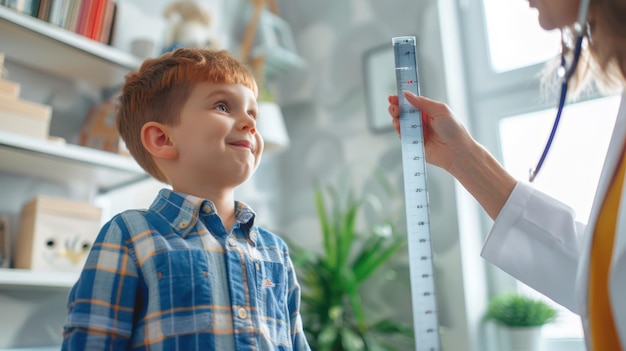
(99, 130)
(56, 234)
(190, 25)
(267, 44)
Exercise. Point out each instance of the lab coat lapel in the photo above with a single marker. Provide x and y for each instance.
(617, 275)
(613, 153)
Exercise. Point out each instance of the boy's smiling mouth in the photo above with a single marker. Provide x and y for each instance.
(242, 143)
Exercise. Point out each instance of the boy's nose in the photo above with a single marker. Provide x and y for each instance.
(247, 123)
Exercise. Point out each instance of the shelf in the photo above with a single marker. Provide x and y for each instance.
(51, 49)
(32, 280)
(66, 163)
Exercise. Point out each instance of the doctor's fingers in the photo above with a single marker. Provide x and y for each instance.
(430, 107)
(394, 112)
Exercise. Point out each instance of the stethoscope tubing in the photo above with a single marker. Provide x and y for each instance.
(568, 74)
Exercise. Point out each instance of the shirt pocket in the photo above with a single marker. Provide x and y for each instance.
(273, 302)
(184, 291)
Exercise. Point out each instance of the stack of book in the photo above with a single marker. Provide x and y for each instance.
(90, 18)
(21, 116)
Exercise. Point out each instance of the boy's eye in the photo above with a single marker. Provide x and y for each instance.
(221, 107)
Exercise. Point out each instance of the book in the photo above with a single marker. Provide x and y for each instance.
(107, 22)
(96, 31)
(56, 14)
(72, 17)
(64, 13)
(83, 17)
(44, 10)
(33, 9)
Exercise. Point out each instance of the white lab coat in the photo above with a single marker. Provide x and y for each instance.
(536, 239)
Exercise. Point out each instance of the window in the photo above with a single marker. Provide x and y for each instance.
(510, 26)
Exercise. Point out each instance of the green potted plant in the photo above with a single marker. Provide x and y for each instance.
(520, 319)
(332, 309)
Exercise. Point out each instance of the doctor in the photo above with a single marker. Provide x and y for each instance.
(535, 237)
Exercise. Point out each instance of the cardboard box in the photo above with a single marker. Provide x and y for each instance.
(56, 234)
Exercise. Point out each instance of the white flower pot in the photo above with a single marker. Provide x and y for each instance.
(520, 338)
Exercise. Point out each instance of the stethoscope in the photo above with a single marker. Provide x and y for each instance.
(581, 29)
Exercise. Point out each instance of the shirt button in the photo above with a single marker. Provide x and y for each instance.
(241, 313)
(207, 208)
(183, 224)
(232, 242)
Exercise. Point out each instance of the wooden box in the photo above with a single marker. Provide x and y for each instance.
(24, 117)
(55, 234)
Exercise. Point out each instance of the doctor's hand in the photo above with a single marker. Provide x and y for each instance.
(449, 145)
(447, 141)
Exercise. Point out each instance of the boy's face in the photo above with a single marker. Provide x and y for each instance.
(217, 140)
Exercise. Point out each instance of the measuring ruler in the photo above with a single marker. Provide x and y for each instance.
(425, 319)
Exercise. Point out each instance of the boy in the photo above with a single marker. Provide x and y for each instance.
(192, 272)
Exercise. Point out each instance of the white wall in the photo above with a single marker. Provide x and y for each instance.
(326, 111)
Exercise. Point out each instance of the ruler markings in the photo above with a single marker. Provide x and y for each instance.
(425, 318)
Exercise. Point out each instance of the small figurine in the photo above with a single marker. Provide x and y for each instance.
(190, 26)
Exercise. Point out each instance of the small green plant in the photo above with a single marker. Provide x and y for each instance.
(516, 310)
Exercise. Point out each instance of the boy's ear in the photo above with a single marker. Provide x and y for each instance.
(156, 139)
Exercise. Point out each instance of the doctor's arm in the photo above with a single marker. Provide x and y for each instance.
(535, 238)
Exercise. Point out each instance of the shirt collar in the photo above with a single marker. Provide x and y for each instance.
(183, 210)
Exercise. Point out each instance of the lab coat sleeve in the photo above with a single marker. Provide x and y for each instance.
(536, 240)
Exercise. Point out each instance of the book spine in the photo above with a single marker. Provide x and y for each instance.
(107, 21)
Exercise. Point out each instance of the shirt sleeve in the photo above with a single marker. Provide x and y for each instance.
(100, 304)
(298, 337)
(537, 240)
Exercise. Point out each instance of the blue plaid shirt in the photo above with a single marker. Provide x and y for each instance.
(172, 278)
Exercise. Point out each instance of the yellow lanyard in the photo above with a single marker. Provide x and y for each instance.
(603, 333)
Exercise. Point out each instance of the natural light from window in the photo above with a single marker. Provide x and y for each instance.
(571, 171)
(515, 38)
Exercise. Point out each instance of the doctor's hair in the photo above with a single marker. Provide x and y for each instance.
(162, 85)
(602, 62)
